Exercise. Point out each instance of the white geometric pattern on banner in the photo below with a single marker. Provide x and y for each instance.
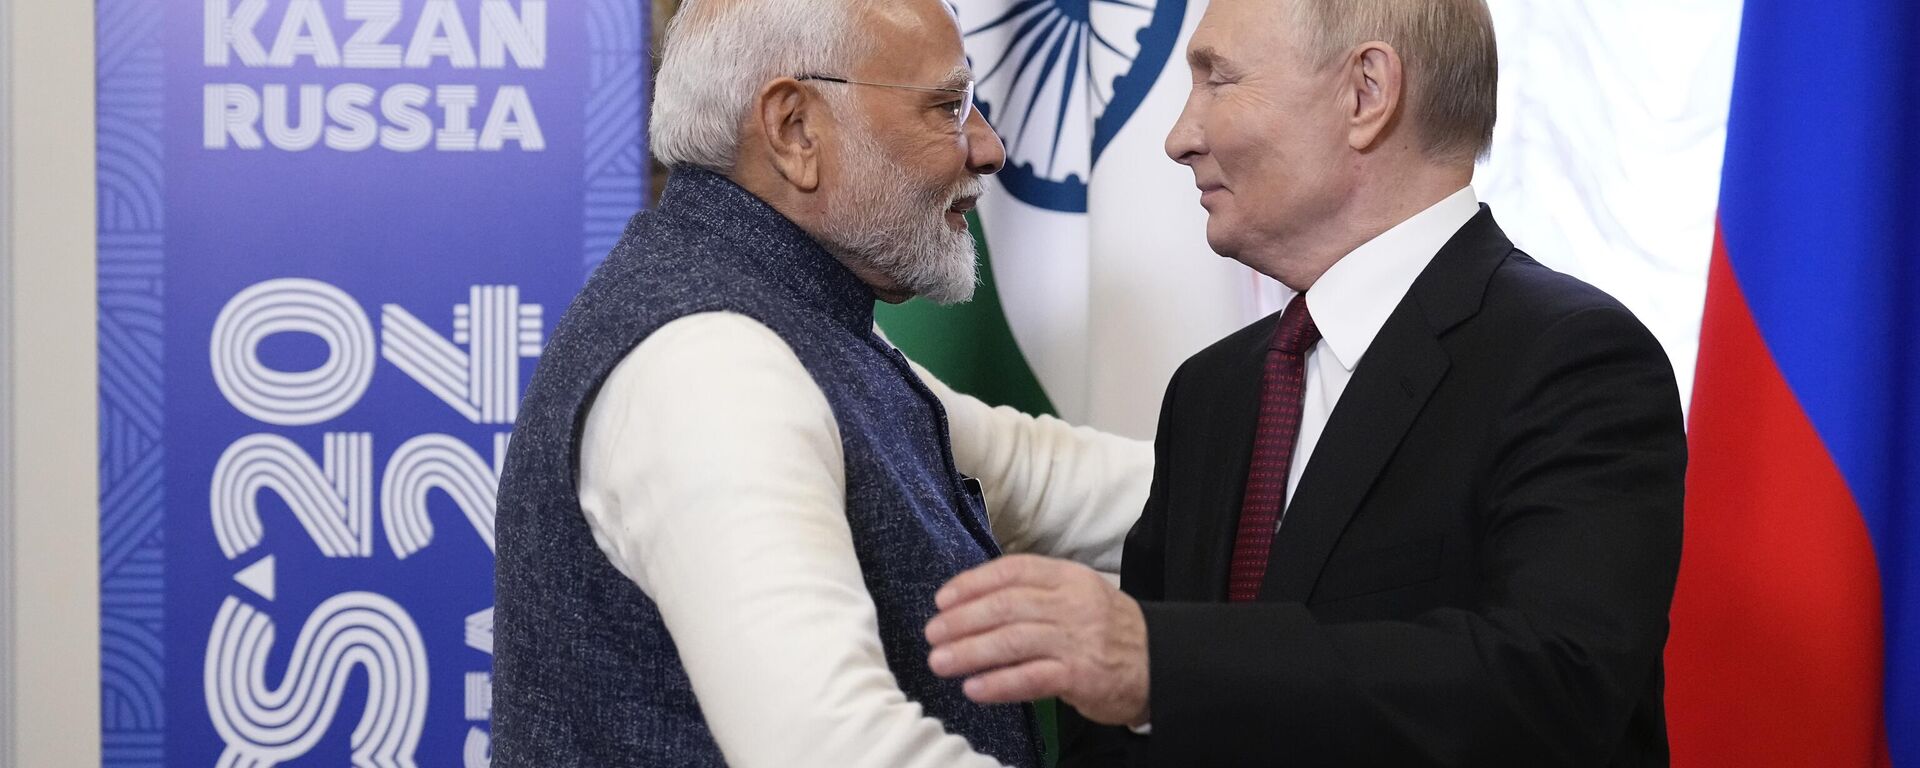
(333, 500)
(438, 462)
(479, 698)
(259, 577)
(480, 631)
(481, 382)
(292, 305)
(477, 752)
(264, 726)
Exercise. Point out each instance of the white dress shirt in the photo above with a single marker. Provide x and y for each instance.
(1351, 302)
(711, 474)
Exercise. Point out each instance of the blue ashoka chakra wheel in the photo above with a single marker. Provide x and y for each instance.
(1058, 79)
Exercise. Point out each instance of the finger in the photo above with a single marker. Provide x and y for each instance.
(1004, 647)
(1038, 679)
(998, 574)
(990, 611)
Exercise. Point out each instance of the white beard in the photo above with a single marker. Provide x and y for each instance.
(899, 229)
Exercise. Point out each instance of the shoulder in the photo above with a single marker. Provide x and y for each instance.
(1526, 300)
(1228, 352)
(648, 284)
(1540, 328)
(1521, 283)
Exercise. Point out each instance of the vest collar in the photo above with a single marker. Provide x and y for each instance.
(769, 243)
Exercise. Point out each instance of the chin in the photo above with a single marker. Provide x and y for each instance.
(1221, 243)
(949, 295)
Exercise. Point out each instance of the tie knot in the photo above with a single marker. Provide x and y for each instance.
(1296, 333)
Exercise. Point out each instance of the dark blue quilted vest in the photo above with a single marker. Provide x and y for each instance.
(585, 673)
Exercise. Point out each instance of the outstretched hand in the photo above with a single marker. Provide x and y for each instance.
(1025, 627)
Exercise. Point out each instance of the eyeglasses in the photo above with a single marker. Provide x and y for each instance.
(961, 112)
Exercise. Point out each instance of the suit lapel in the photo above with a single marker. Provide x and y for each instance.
(1228, 411)
(1401, 369)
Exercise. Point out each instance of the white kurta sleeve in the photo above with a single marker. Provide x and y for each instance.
(711, 474)
(1052, 488)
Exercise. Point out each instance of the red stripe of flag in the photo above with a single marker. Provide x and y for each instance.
(1776, 654)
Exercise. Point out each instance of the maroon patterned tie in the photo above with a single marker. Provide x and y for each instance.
(1279, 428)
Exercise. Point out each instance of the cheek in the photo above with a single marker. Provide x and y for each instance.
(934, 159)
(1246, 140)
(1249, 165)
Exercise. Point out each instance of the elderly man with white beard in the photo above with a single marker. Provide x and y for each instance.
(728, 501)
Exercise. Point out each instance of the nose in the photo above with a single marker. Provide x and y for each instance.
(985, 154)
(1186, 141)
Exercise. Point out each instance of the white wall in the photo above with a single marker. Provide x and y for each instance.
(6, 409)
(1606, 160)
(50, 488)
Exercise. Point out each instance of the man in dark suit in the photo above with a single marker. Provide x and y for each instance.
(1427, 515)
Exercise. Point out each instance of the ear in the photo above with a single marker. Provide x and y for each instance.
(1376, 83)
(790, 118)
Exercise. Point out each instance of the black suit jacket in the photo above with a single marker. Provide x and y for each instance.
(1475, 568)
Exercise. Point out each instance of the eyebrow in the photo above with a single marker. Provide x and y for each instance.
(1209, 58)
(957, 79)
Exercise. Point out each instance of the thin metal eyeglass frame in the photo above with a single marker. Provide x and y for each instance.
(966, 94)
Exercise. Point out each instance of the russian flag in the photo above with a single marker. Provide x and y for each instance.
(1796, 625)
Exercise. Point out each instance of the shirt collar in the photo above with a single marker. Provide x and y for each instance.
(1353, 299)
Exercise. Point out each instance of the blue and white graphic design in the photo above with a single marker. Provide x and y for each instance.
(1059, 78)
(133, 535)
(265, 724)
(333, 235)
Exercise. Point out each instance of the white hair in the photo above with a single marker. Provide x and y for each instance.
(719, 54)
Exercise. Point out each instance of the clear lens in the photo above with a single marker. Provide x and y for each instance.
(966, 107)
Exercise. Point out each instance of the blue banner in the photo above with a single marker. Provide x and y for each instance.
(333, 237)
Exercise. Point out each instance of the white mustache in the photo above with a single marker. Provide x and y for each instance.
(974, 187)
